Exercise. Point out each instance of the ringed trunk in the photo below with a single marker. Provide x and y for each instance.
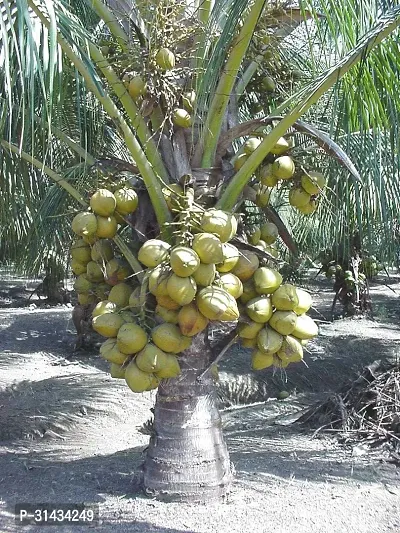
(187, 458)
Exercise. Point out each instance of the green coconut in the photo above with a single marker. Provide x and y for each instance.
(205, 274)
(269, 341)
(284, 322)
(165, 59)
(136, 379)
(283, 167)
(168, 337)
(208, 247)
(127, 200)
(108, 324)
(267, 280)
(94, 272)
(259, 309)
(84, 224)
(216, 303)
(102, 251)
(131, 338)
(103, 202)
(137, 87)
(285, 298)
(181, 290)
(220, 223)
(120, 294)
(153, 252)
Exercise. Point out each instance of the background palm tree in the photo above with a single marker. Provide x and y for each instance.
(68, 124)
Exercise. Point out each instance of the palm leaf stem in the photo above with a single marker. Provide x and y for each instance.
(112, 23)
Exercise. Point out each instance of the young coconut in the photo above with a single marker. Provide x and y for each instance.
(103, 202)
(220, 223)
(283, 167)
(151, 358)
(80, 251)
(131, 338)
(181, 118)
(153, 252)
(259, 309)
(248, 329)
(108, 324)
(298, 197)
(205, 274)
(240, 161)
(181, 290)
(267, 178)
(77, 267)
(102, 251)
(117, 371)
(249, 291)
(309, 208)
(104, 307)
(158, 280)
(291, 350)
(208, 247)
(231, 284)
(266, 280)
(313, 182)
(217, 304)
(117, 270)
(184, 261)
(136, 379)
(246, 265)
(251, 145)
(231, 257)
(106, 227)
(285, 298)
(109, 351)
(94, 272)
(137, 87)
(305, 328)
(82, 284)
(165, 59)
(269, 341)
(191, 321)
(280, 147)
(269, 232)
(168, 337)
(260, 360)
(120, 294)
(162, 314)
(127, 201)
(305, 302)
(171, 368)
(84, 224)
(284, 322)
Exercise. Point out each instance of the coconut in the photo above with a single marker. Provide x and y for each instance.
(134, 299)
(313, 182)
(208, 247)
(268, 84)
(84, 224)
(165, 59)
(249, 343)
(77, 267)
(246, 266)
(127, 316)
(104, 307)
(136, 379)
(181, 118)
(117, 371)
(188, 100)
(82, 284)
(283, 322)
(309, 208)
(181, 290)
(291, 350)
(280, 363)
(127, 200)
(166, 315)
(220, 223)
(108, 324)
(153, 252)
(119, 294)
(106, 227)
(254, 235)
(231, 257)
(205, 274)
(231, 284)
(260, 360)
(249, 291)
(305, 328)
(86, 298)
(184, 261)
(283, 167)
(172, 194)
(217, 304)
(167, 302)
(158, 280)
(298, 197)
(168, 337)
(102, 251)
(240, 161)
(285, 298)
(266, 176)
(269, 341)
(305, 302)
(280, 147)
(267, 280)
(137, 87)
(171, 368)
(262, 245)
(103, 202)
(109, 351)
(269, 232)
(118, 269)
(90, 239)
(248, 329)
(80, 251)
(251, 145)
(131, 338)
(94, 272)
(151, 358)
(259, 309)
(262, 195)
(191, 321)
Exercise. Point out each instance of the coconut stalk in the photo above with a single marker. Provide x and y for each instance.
(187, 458)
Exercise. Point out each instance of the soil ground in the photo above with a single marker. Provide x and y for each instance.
(70, 433)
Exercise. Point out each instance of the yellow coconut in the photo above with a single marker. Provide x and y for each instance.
(309, 208)
(249, 291)
(94, 272)
(269, 232)
(231, 284)
(284, 322)
(102, 251)
(208, 247)
(158, 280)
(168, 337)
(103, 203)
(298, 197)
(220, 223)
(249, 343)
(181, 118)
(246, 266)
(151, 358)
(84, 224)
(171, 368)
(104, 307)
(269, 341)
(313, 182)
(153, 252)
(109, 351)
(260, 360)
(165, 59)
(267, 178)
(191, 321)
(217, 304)
(131, 338)
(166, 315)
(205, 274)
(305, 328)
(172, 195)
(134, 299)
(167, 302)
(77, 267)
(283, 167)
(86, 298)
(80, 251)
(117, 269)
(280, 147)
(231, 257)
(259, 309)
(119, 294)
(251, 145)
(137, 87)
(82, 284)
(117, 371)
(184, 261)
(267, 280)
(285, 298)
(108, 324)
(136, 379)
(254, 235)
(263, 195)
(240, 161)
(127, 200)
(291, 350)
(181, 290)
(248, 329)
(305, 302)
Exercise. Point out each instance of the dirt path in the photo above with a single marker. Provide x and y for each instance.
(69, 433)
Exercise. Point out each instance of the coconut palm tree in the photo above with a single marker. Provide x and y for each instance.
(160, 92)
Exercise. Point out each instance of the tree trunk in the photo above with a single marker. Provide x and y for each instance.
(187, 458)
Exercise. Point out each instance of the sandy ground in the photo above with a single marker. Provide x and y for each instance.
(69, 433)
